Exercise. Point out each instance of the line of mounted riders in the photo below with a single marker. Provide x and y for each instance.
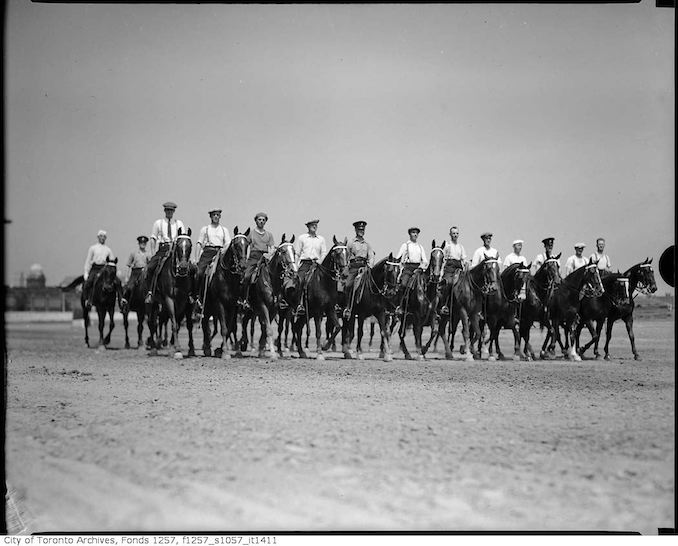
(481, 298)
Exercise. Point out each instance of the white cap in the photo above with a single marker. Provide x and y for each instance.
(579, 245)
(517, 241)
(101, 232)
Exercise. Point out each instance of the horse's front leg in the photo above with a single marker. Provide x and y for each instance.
(297, 327)
(385, 346)
(628, 321)
(189, 327)
(360, 334)
(347, 337)
(174, 345)
(125, 325)
(111, 325)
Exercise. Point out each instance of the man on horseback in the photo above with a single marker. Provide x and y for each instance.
(542, 257)
(360, 254)
(212, 239)
(486, 250)
(455, 260)
(136, 263)
(600, 258)
(311, 249)
(165, 230)
(515, 257)
(97, 256)
(261, 244)
(577, 260)
(412, 256)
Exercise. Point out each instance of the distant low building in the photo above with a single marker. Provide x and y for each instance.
(36, 296)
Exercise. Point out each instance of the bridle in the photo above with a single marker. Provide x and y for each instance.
(642, 285)
(181, 267)
(433, 278)
(236, 267)
(288, 266)
(588, 290)
(389, 289)
(551, 282)
(336, 270)
(488, 287)
(515, 296)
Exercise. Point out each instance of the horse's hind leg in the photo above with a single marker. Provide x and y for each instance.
(347, 337)
(107, 339)
(140, 330)
(628, 321)
(125, 324)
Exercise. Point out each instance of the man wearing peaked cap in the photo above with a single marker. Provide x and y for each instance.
(137, 261)
(97, 256)
(310, 249)
(542, 257)
(212, 238)
(485, 250)
(360, 255)
(164, 231)
(577, 259)
(516, 257)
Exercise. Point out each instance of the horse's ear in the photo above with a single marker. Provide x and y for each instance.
(443, 245)
(558, 256)
(235, 230)
(390, 256)
(247, 232)
(189, 232)
(433, 243)
(115, 261)
(292, 239)
(485, 256)
(283, 239)
(179, 231)
(345, 241)
(529, 266)
(334, 238)
(650, 260)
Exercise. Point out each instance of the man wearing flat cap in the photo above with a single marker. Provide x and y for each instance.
(262, 244)
(360, 255)
(542, 257)
(515, 257)
(212, 238)
(487, 250)
(577, 259)
(97, 256)
(412, 256)
(310, 248)
(137, 261)
(164, 231)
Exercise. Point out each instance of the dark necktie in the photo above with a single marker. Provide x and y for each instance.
(169, 230)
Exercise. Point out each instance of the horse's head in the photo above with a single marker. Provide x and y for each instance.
(239, 245)
(436, 262)
(645, 277)
(286, 254)
(485, 275)
(391, 274)
(515, 276)
(617, 288)
(108, 276)
(182, 253)
(338, 256)
(549, 272)
(593, 286)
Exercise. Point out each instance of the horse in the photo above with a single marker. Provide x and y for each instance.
(420, 302)
(597, 309)
(501, 308)
(320, 297)
(468, 295)
(641, 278)
(563, 308)
(373, 293)
(136, 303)
(222, 293)
(538, 292)
(176, 276)
(265, 293)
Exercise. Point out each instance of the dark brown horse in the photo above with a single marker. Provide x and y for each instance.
(373, 296)
(538, 292)
(320, 297)
(563, 308)
(176, 278)
(223, 290)
(468, 295)
(596, 309)
(501, 308)
(420, 302)
(137, 294)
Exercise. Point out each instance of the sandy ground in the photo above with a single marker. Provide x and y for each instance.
(118, 441)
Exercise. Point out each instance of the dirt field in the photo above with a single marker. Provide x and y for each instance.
(118, 441)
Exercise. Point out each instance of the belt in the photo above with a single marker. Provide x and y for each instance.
(358, 260)
(137, 268)
(307, 260)
(412, 263)
(212, 246)
(160, 245)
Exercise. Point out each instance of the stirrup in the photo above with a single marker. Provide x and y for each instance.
(300, 311)
(282, 304)
(444, 310)
(149, 298)
(347, 314)
(398, 311)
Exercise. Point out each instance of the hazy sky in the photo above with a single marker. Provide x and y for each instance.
(525, 120)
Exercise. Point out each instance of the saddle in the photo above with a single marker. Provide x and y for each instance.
(212, 268)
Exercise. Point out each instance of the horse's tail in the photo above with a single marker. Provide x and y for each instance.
(75, 282)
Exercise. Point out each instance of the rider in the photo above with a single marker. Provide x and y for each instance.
(542, 257)
(600, 258)
(97, 256)
(516, 257)
(455, 261)
(486, 250)
(310, 248)
(136, 263)
(577, 260)
(360, 254)
(165, 230)
(261, 243)
(412, 256)
(213, 238)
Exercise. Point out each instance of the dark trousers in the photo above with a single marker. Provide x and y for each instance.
(151, 268)
(450, 277)
(135, 277)
(353, 269)
(91, 279)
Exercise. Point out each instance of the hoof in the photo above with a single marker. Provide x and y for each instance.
(469, 358)
(421, 357)
(388, 358)
(191, 353)
(207, 351)
(637, 357)
(177, 355)
(348, 355)
(153, 352)
(576, 358)
(225, 356)
(319, 356)
(516, 358)
(491, 358)
(127, 345)
(238, 354)
(449, 356)
(607, 357)
(598, 356)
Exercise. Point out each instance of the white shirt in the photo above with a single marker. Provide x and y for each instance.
(573, 263)
(514, 258)
(539, 261)
(454, 251)
(603, 261)
(479, 255)
(214, 236)
(97, 254)
(160, 230)
(310, 247)
(413, 253)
